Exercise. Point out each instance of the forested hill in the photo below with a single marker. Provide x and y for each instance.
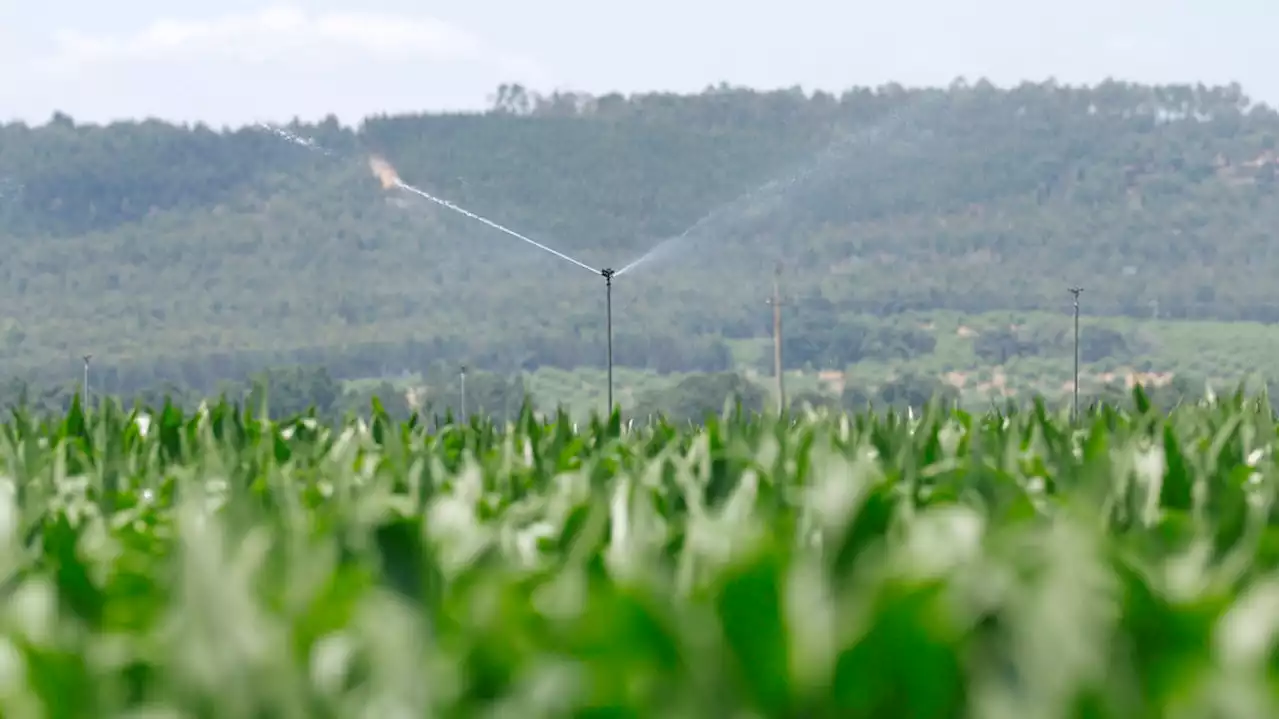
(195, 252)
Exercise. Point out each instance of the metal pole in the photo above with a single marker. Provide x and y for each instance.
(462, 376)
(776, 301)
(84, 385)
(608, 309)
(1075, 381)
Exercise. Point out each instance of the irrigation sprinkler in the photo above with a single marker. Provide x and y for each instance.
(391, 179)
(387, 175)
(607, 274)
(1075, 370)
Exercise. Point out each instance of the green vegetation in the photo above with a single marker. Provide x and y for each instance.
(190, 256)
(923, 560)
(222, 565)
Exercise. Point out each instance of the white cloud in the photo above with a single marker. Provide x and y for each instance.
(267, 65)
(284, 34)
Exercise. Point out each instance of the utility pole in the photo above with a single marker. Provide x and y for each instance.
(776, 301)
(1075, 382)
(84, 385)
(462, 381)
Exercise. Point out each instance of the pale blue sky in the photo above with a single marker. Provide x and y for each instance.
(239, 61)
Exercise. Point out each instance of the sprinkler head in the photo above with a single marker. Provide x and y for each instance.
(607, 273)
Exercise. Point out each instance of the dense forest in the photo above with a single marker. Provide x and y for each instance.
(191, 255)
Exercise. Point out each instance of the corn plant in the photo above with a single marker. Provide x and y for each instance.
(942, 564)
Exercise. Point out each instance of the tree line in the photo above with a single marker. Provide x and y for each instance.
(189, 254)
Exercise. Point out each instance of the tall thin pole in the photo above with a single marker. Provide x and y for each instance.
(776, 301)
(1075, 372)
(462, 381)
(608, 310)
(84, 384)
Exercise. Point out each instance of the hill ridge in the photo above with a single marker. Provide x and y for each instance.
(160, 241)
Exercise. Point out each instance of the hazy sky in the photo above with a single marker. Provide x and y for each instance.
(238, 61)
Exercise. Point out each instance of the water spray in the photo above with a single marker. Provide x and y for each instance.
(776, 189)
(295, 139)
(390, 180)
(386, 174)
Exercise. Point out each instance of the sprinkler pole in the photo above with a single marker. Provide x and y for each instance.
(462, 380)
(1075, 366)
(84, 385)
(608, 309)
(776, 301)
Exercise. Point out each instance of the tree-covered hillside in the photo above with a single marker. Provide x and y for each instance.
(189, 254)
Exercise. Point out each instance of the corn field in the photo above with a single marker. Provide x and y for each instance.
(1007, 565)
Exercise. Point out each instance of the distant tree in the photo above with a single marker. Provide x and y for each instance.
(857, 398)
(914, 390)
(1183, 389)
(1002, 344)
(696, 396)
(1097, 343)
(392, 399)
(155, 397)
(834, 342)
(294, 390)
(489, 394)
(816, 400)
